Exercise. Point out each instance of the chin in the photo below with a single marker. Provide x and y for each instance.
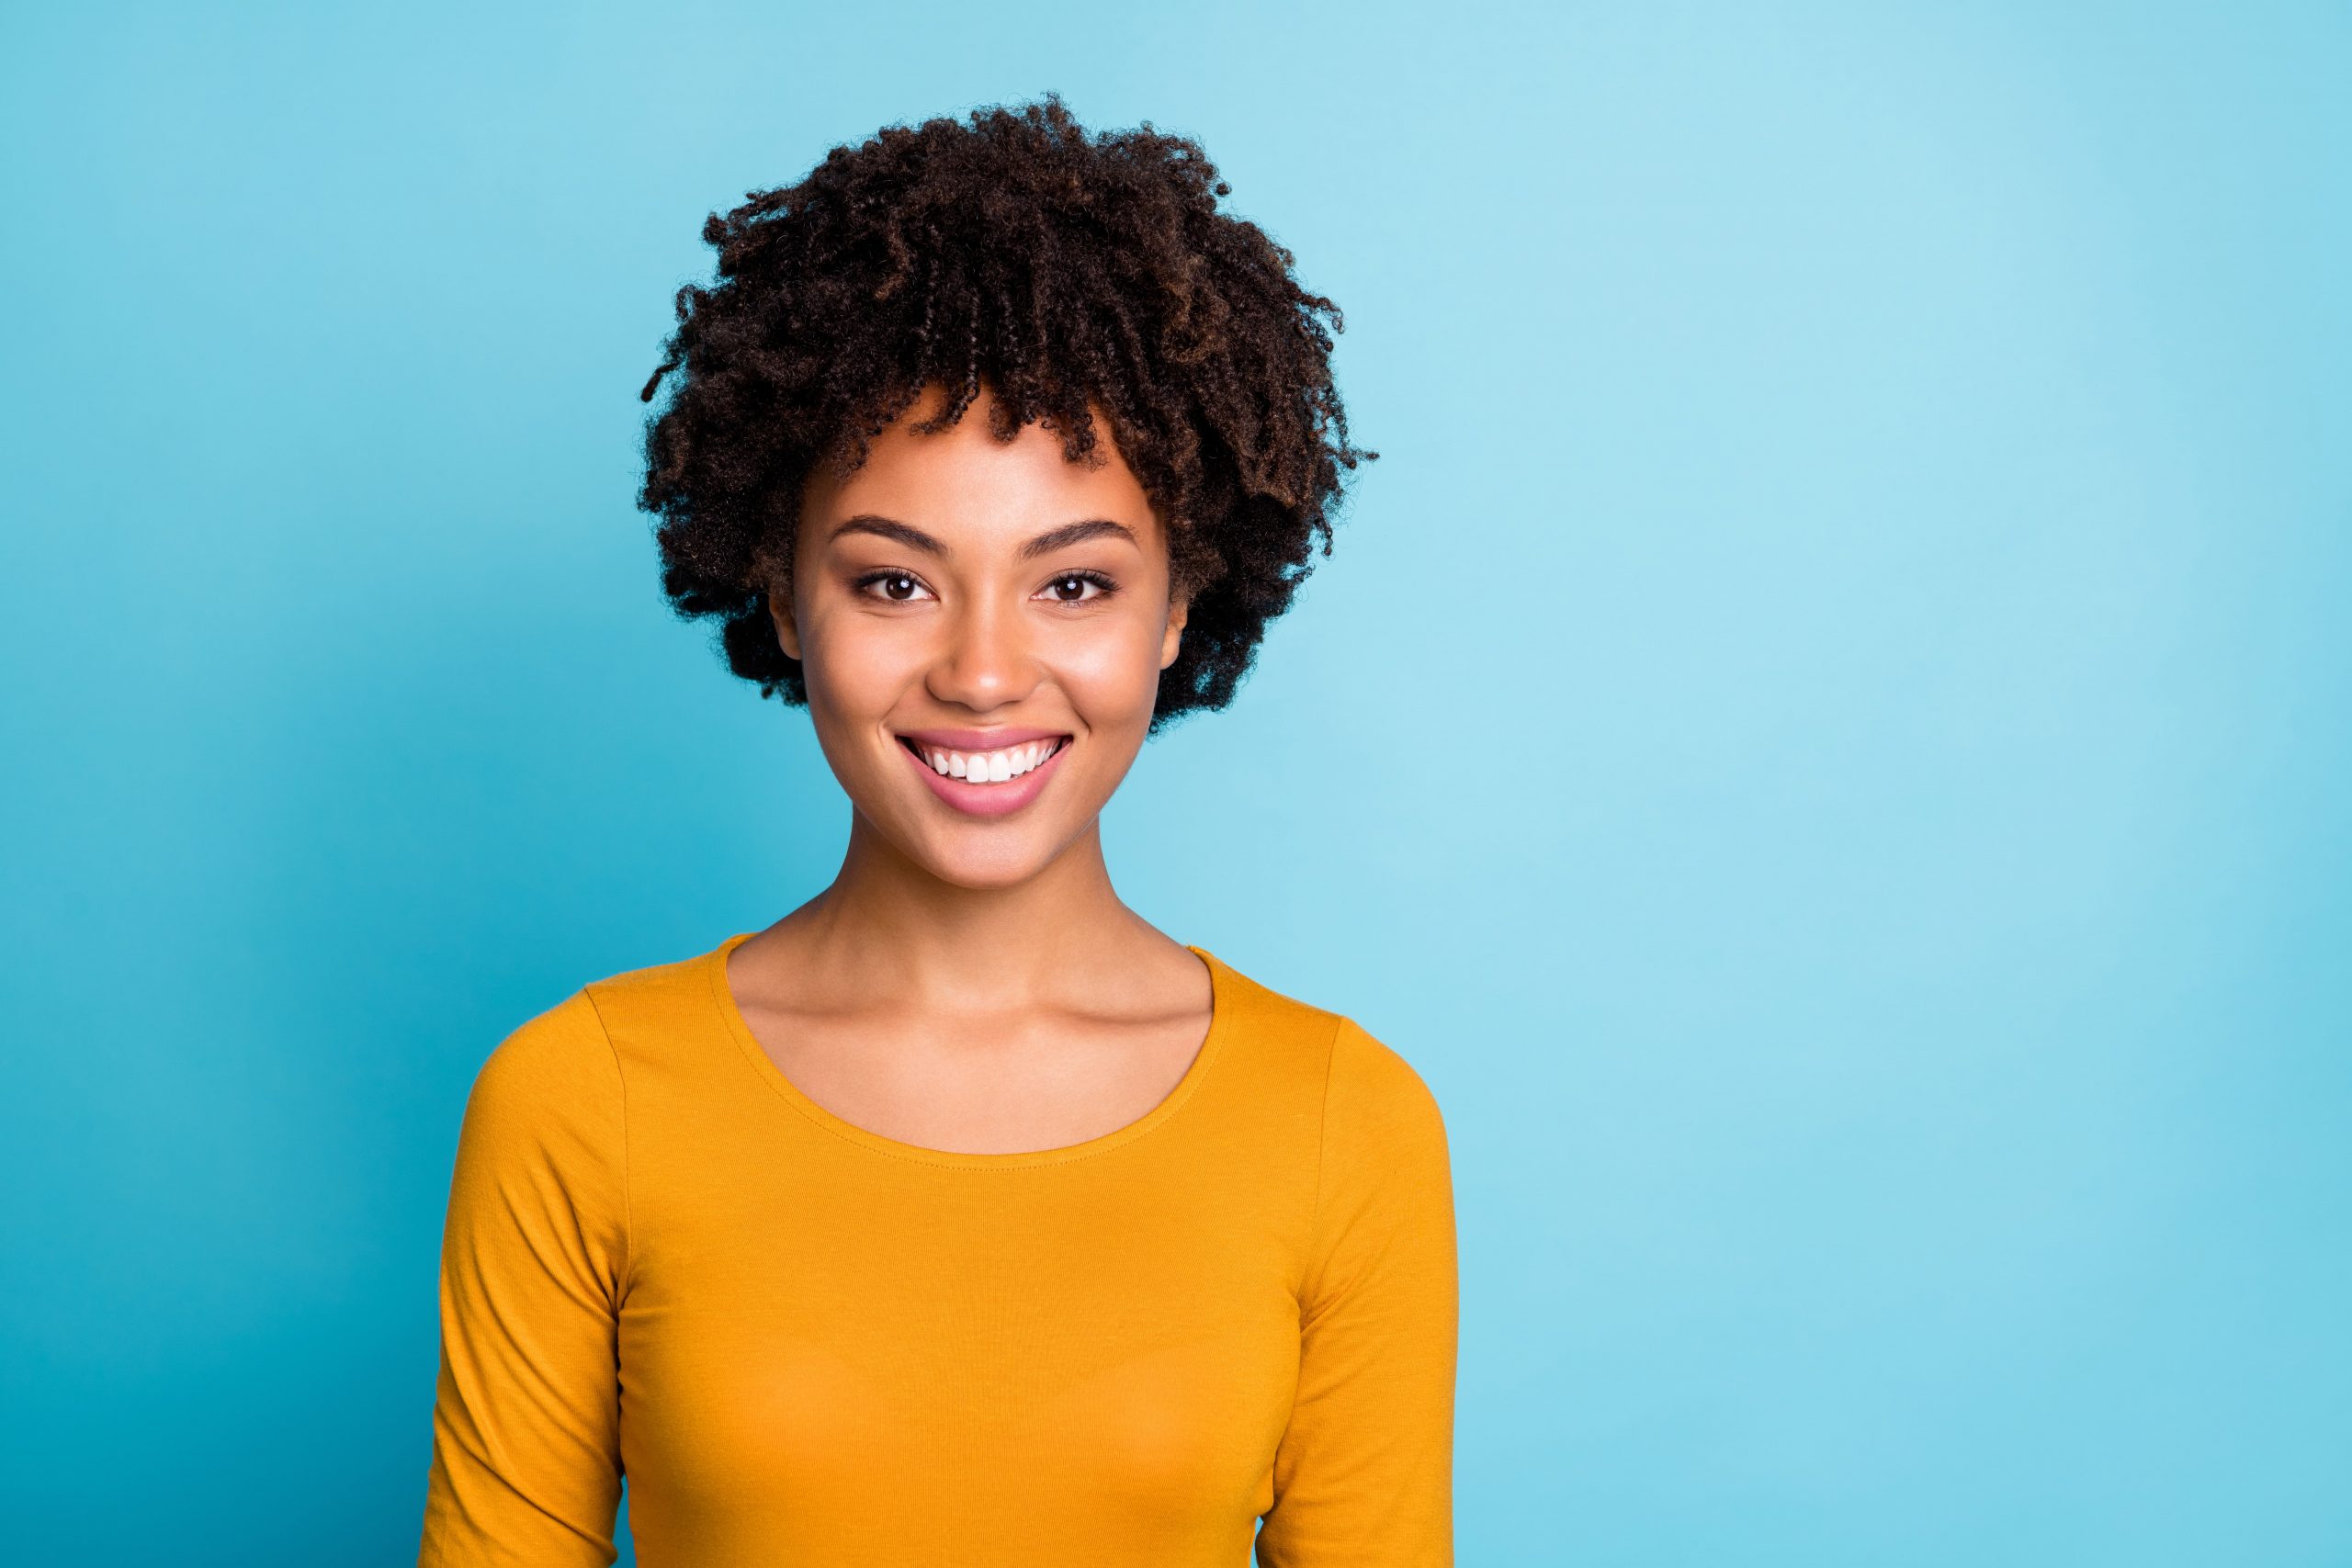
(983, 861)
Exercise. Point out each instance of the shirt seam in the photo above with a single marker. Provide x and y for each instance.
(629, 1208)
(1315, 1262)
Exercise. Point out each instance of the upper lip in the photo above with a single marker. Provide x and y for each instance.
(977, 739)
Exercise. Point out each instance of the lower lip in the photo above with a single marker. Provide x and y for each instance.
(986, 799)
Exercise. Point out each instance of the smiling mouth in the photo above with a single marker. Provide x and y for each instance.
(986, 767)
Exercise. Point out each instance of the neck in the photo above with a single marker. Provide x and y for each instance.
(886, 925)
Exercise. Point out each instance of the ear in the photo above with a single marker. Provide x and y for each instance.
(787, 631)
(1179, 608)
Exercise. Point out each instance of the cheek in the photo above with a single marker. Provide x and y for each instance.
(1111, 670)
(854, 665)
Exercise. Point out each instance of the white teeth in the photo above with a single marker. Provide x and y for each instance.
(990, 767)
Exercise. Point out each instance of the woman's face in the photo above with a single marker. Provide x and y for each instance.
(981, 626)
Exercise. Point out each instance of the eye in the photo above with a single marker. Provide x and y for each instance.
(1078, 587)
(898, 587)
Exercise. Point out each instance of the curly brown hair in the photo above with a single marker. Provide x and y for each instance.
(1014, 250)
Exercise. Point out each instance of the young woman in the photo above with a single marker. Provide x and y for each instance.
(960, 1217)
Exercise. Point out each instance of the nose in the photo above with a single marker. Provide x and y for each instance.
(984, 662)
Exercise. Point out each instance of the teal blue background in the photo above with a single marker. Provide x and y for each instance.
(1825, 738)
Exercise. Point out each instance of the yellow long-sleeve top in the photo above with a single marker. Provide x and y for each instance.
(810, 1345)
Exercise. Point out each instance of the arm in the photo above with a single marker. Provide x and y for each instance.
(526, 1419)
(1364, 1477)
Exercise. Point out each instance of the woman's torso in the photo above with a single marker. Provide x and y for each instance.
(838, 1348)
(803, 1342)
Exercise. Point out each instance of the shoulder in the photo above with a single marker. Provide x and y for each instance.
(1265, 1012)
(557, 1067)
(565, 1061)
(574, 1060)
(1368, 1087)
(542, 1160)
(1376, 1105)
(585, 1038)
(1375, 1147)
(644, 1012)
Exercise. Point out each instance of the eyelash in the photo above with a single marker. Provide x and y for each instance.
(1102, 581)
(866, 584)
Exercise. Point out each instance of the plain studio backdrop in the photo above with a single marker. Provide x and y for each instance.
(1824, 739)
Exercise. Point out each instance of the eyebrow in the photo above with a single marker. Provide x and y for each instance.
(1046, 543)
(1076, 532)
(906, 533)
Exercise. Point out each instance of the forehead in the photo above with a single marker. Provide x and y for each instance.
(970, 489)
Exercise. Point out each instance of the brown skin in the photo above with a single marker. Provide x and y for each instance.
(973, 984)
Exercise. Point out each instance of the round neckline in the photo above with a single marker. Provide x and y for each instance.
(1221, 1002)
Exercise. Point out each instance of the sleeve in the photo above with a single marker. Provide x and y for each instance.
(526, 1464)
(1364, 1476)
